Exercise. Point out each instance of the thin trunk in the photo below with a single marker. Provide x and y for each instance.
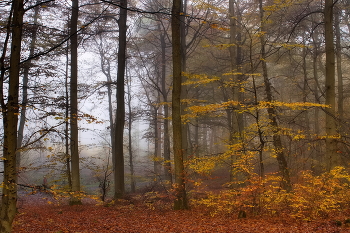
(119, 180)
(106, 70)
(74, 138)
(10, 120)
(24, 103)
(339, 65)
(180, 190)
(305, 90)
(331, 131)
(157, 141)
(184, 92)
(166, 153)
(68, 161)
(235, 118)
(272, 113)
(131, 156)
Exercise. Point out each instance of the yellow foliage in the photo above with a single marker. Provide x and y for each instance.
(314, 196)
(198, 79)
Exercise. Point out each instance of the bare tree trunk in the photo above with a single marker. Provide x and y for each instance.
(25, 85)
(166, 153)
(106, 70)
(184, 92)
(235, 119)
(181, 198)
(74, 138)
(131, 156)
(157, 140)
(272, 113)
(339, 65)
(68, 161)
(10, 120)
(331, 131)
(119, 180)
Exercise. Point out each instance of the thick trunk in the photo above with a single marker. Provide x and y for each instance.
(119, 180)
(272, 113)
(331, 131)
(10, 120)
(74, 143)
(180, 191)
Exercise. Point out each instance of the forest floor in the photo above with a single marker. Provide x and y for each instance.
(41, 213)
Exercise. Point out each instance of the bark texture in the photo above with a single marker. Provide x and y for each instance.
(181, 199)
(10, 120)
(74, 137)
(120, 115)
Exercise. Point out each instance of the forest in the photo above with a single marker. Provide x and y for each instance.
(174, 116)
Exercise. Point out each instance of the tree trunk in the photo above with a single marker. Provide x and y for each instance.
(131, 156)
(180, 191)
(106, 70)
(166, 153)
(339, 65)
(10, 120)
(74, 138)
(186, 150)
(331, 131)
(68, 161)
(235, 119)
(119, 180)
(24, 103)
(272, 113)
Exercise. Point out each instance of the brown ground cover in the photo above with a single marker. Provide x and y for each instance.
(39, 213)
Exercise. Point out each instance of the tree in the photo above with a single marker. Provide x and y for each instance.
(120, 115)
(10, 120)
(180, 190)
(272, 113)
(25, 85)
(331, 130)
(74, 141)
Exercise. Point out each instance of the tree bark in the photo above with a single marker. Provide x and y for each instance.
(10, 120)
(331, 131)
(272, 113)
(25, 86)
(339, 64)
(166, 153)
(186, 150)
(119, 180)
(180, 190)
(131, 156)
(74, 137)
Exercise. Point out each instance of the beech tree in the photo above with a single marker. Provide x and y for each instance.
(10, 120)
(120, 114)
(181, 198)
(74, 141)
